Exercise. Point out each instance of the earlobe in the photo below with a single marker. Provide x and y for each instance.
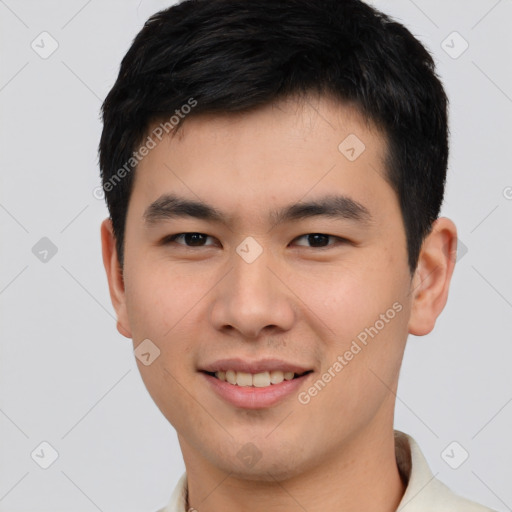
(115, 277)
(431, 281)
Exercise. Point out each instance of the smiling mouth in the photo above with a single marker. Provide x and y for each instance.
(258, 380)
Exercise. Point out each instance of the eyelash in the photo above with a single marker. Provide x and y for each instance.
(171, 239)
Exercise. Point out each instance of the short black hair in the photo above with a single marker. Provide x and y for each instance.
(224, 56)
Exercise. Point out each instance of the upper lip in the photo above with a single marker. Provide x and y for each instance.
(262, 365)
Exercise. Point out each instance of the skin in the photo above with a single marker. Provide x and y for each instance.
(296, 302)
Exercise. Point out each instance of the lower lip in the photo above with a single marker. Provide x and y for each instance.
(250, 397)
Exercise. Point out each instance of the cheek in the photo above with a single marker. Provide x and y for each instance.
(160, 305)
(347, 301)
(365, 313)
(159, 298)
(163, 304)
(363, 356)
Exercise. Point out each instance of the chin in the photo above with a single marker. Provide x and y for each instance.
(261, 460)
(268, 471)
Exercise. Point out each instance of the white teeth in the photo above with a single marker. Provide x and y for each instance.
(276, 377)
(243, 379)
(259, 380)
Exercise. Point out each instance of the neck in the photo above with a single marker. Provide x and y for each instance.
(362, 475)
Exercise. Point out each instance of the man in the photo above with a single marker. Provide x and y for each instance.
(274, 173)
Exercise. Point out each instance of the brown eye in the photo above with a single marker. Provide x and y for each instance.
(319, 240)
(188, 239)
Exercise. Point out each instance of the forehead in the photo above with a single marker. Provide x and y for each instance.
(284, 120)
(272, 156)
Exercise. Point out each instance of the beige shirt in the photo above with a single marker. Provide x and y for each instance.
(424, 493)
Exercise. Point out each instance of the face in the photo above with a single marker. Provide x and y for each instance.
(255, 280)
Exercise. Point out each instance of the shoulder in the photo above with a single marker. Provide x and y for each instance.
(178, 499)
(424, 492)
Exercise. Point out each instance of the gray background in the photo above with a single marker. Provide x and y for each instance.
(68, 378)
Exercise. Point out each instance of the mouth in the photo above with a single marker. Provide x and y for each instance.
(261, 390)
(256, 380)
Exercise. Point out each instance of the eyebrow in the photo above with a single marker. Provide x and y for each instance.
(172, 206)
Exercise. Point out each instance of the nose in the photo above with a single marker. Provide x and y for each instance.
(253, 298)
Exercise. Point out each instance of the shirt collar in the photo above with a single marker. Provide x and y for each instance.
(424, 492)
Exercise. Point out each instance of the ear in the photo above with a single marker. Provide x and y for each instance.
(431, 280)
(115, 277)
